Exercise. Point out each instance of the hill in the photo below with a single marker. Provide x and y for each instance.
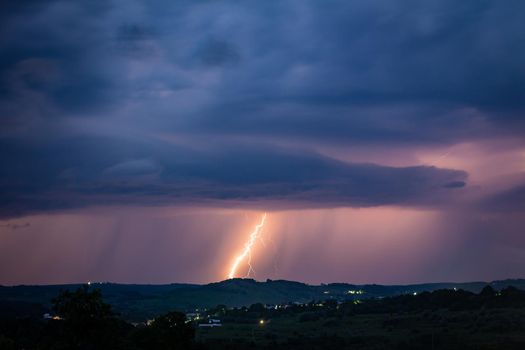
(139, 302)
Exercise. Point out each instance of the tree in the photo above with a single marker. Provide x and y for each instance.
(87, 322)
(6, 343)
(257, 307)
(167, 332)
(218, 310)
(82, 306)
(487, 292)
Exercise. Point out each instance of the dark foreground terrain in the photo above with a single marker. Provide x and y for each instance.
(137, 303)
(441, 319)
(444, 319)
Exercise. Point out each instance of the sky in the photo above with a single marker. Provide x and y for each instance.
(142, 141)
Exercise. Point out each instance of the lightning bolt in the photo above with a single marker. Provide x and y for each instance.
(247, 251)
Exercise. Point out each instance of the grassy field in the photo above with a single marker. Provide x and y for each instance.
(438, 329)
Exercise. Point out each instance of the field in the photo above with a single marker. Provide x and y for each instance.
(438, 329)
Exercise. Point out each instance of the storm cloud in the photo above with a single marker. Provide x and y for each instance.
(100, 171)
(385, 139)
(221, 101)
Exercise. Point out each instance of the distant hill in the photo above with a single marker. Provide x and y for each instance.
(138, 302)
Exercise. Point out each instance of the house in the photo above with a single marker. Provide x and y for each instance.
(212, 322)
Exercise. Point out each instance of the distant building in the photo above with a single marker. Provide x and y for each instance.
(48, 316)
(212, 322)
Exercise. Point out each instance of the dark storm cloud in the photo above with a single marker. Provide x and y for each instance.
(15, 226)
(367, 71)
(372, 73)
(98, 171)
(218, 53)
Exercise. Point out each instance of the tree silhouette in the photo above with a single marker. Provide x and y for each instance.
(86, 321)
(167, 332)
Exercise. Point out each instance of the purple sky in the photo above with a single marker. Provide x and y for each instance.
(142, 141)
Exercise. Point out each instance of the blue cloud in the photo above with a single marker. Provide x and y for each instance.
(82, 172)
(87, 90)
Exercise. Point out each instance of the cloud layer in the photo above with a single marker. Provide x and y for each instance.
(219, 101)
(98, 171)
